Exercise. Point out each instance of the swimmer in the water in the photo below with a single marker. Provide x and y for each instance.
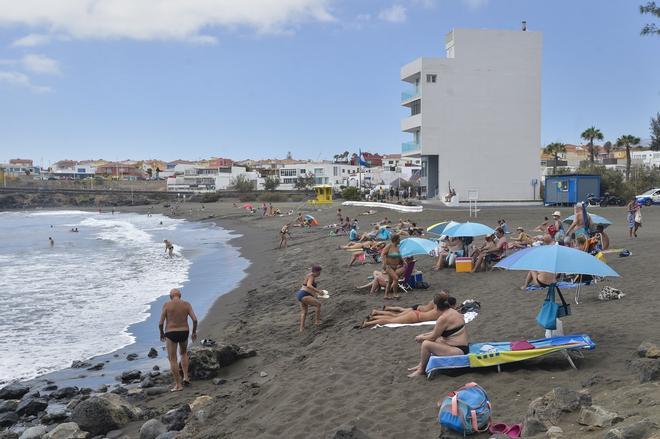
(50, 240)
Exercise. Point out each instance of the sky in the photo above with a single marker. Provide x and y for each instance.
(120, 79)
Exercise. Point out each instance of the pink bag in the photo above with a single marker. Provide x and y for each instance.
(521, 345)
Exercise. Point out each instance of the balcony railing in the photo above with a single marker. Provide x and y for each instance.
(407, 147)
(408, 95)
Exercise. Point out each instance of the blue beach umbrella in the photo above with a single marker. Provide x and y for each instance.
(439, 228)
(595, 219)
(468, 229)
(416, 246)
(556, 259)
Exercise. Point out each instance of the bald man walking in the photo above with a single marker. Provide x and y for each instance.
(174, 319)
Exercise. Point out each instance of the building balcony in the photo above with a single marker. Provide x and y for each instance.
(410, 148)
(412, 123)
(409, 95)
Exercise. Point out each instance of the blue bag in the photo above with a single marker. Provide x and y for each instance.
(466, 410)
(547, 316)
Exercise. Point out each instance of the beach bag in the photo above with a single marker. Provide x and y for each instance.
(466, 410)
(547, 316)
(564, 310)
(383, 235)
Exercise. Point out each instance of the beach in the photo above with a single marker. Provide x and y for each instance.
(304, 385)
(334, 374)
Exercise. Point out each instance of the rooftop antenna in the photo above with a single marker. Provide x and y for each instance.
(524, 25)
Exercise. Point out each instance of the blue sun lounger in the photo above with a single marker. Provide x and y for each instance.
(498, 353)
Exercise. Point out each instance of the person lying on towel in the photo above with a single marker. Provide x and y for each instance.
(449, 336)
(414, 315)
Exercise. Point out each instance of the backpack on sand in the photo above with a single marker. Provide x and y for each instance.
(466, 410)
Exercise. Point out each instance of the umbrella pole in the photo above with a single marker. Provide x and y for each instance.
(577, 293)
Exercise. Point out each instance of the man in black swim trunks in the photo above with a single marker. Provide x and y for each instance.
(175, 317)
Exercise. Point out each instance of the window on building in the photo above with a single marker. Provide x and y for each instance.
(335, 171)
(318, 172)
(303, 172)
(431, 78)
(289, 180)
(287, 172)
(416, 107)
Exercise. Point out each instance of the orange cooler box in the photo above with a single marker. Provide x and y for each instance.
(463, 265)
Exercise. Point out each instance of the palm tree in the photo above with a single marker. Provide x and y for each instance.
(607, 146)
(627, 142)
(589, 135)
(554, 149)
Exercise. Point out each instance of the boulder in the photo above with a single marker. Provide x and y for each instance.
(130, 375)
(532, 426)
(14, 391)
(648, 369)
(554, 432)
(152, 429)
(8, 405)
(8, 434)
(596, 416)
(55, 416)
(638, 430)
(347, 431)
(115, 434)
(101, 414)
(176, 419)
(205, 362)
(548, 408)
(36, 432)
(147, 382)
(157, 390)
(65, 392)
(648, 350)
(132, 357)
(80, 364)
(68, 430)
(30, 406)
(200, 409)
(97, 366)
(219, 381)
(7, 419)
(168, 435)
(50, 388)
(102, 389)
(153, 353)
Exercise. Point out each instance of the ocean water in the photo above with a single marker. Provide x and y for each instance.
(81, 297)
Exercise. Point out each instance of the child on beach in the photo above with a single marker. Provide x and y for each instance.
(308, 295)
(284, 235)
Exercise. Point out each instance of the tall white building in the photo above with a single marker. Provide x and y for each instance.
(475, 116)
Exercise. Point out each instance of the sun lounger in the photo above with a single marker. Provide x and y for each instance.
(562, 284)
(498, 353)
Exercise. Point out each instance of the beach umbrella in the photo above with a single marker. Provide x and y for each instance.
(556, 259)
(416, 246)
(247, 206)
(311, 220)
(595, 219)
(468, 229)
(439, 228)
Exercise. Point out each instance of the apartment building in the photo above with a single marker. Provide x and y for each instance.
(334, 174)
(474, 117)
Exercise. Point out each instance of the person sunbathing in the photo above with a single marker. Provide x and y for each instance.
(492, 252)
(543, 227)
(358, 245)
(393, 311)
(522, 240)
(412, 315)
(379, 281)
(452, 248)
(448, 337)
(540, 278)
(370, 235)
(360, 256)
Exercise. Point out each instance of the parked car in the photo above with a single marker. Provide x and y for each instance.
(652, 196)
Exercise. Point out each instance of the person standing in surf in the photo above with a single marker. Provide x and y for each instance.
(169, 248)
(174, 331)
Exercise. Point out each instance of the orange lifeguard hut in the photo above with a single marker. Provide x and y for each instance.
(323, 194)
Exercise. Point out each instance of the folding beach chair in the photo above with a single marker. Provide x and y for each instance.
(404, 280)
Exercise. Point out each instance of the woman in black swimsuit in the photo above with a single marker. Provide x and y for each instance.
(449, 336)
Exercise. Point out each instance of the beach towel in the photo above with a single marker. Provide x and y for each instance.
(562, 284)
(468, 317)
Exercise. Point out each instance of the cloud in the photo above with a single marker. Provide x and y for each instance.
(148, 20)
(32, 40)
(475, 4)
(34, 63)
(393, 14)
(18, 79)
(40, 64)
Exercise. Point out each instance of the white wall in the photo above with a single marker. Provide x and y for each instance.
(482, 115)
